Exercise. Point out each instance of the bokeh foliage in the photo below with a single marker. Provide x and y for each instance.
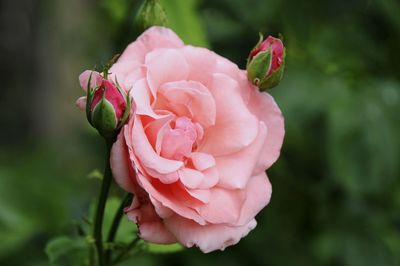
(336, 187)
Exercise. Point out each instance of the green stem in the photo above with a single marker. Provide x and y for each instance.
(115, 224)
(105, 187)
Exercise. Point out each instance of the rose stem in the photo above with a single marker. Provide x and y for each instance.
(105, 187)
(115, 224)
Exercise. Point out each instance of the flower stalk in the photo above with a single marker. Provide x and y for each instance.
(101, 204)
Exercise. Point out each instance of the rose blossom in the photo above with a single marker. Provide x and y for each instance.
(195, 149)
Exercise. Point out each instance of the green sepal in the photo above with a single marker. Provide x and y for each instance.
(260, 40)
(259, 66)
(89, 98)
(125, 115)
(109, 64)
(104, 118)
(275, 77)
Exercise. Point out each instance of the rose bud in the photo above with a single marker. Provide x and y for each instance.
(151, 13)
(266, 63)
(107, 107)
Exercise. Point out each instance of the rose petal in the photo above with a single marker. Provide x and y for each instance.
(194, 96)
(165, 65)
(264, 107)
(81, 103)
(209, 237)
(235, 126)
(146, 154)
(202, 63)
(202, 161)
(119, 162)
(236, 169)
(224, 206)
(141, 96)
(149, 223)
(95, 80)
(152, 38)
(258, 194)
(190, 178)
(165, 195)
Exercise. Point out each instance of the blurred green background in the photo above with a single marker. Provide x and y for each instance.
(336, 198)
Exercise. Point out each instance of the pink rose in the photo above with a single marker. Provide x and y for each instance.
(195, 150)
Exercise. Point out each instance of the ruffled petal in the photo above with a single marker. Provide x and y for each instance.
(209, 237)
(152, 38)
(235, 126)
(95, 80)
(165, 65)
(146, 154)
(236, 169)
(119, 162)
(258, 195)
(192, 98)
(81, 103)
(264, 107)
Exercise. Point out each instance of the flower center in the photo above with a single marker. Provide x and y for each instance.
(180, 139)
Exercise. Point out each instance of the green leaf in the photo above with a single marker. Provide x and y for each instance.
(68, 251)
(95, 174)
(184, 20)
(159, 248)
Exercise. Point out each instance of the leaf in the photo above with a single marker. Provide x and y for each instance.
(95, 174)
(159, 248)
(68, 251)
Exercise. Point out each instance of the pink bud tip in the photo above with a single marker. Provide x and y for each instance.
(276, 46)
(112, 95)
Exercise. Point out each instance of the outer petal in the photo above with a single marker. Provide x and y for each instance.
(202, 63)
(236, 169)
(119, 161)
(94, 81)
(209, 237)
(81, 103)
(264, 107)
(258, 195)
(166, 195)
(235, 126)
(165, 65)
(149, 223)
(154, 37)
(224, 206)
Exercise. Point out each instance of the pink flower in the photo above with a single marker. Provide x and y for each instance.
(195, 150)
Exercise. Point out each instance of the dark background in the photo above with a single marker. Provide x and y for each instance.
(336, 186)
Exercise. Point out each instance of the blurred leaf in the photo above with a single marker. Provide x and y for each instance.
(66, 251)
(159, 248)
(95, 174)
(184, 20)
(127, 230)
(117, 9)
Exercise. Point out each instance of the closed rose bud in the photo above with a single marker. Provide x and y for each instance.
(266, 63)
(151, 13)
(107, 105)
